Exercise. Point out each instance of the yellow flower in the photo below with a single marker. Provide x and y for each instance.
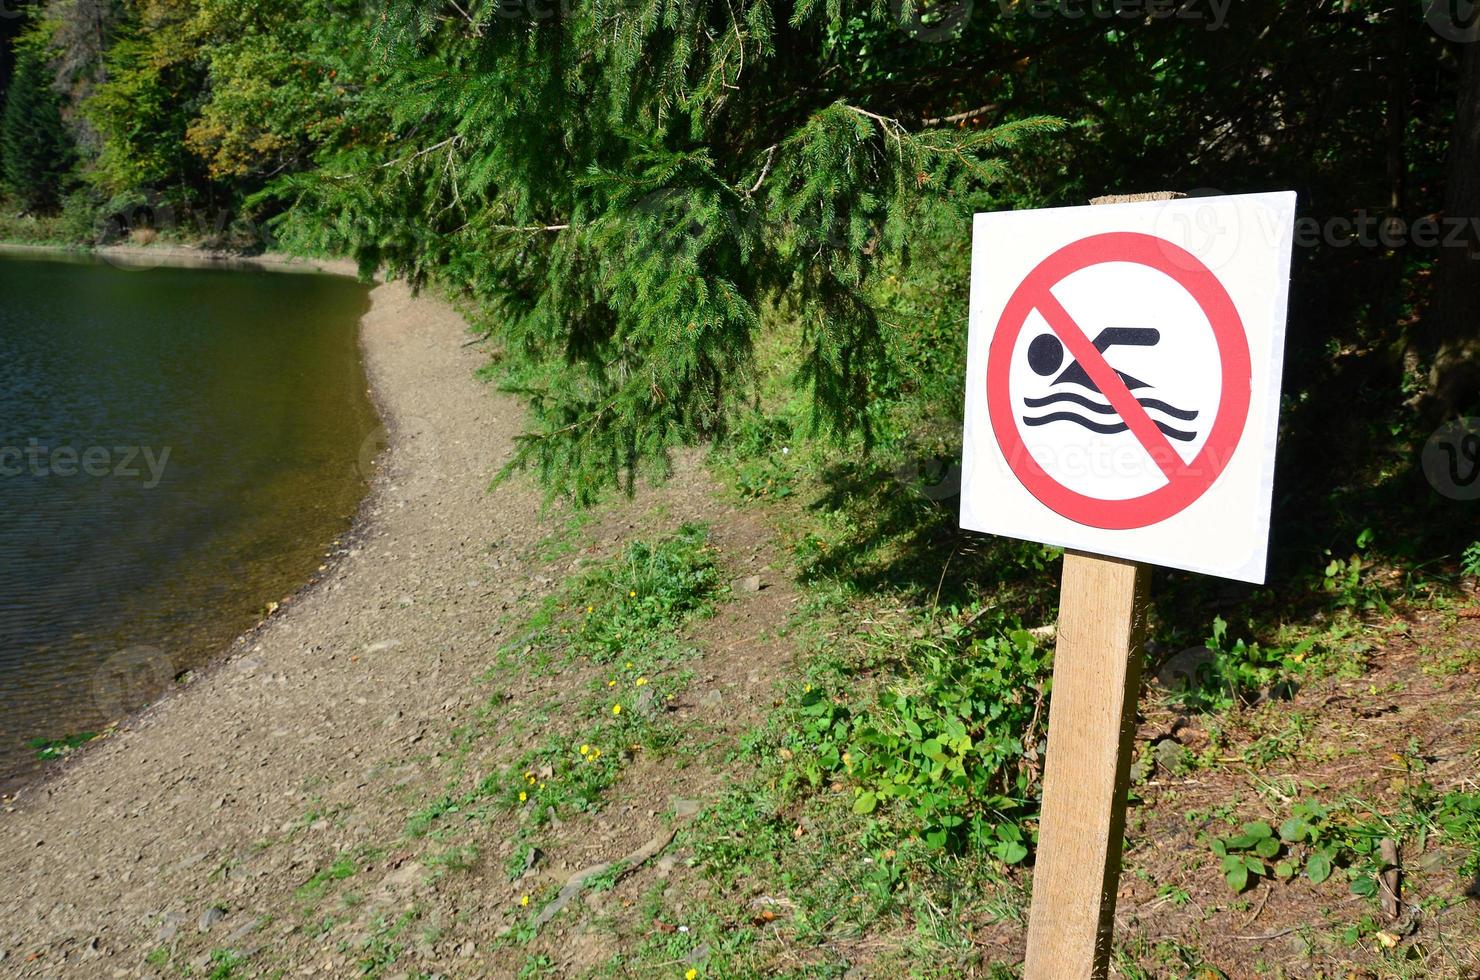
(588, 608)
(847, 759)
(632, 594)
(616, 709)
(612, 682)
(585, 749)
(691, 974)
(523, 796)
(542, 785)
(807, 689)
(641, 681)
(595, 754)
(524, 900)
(629, 665)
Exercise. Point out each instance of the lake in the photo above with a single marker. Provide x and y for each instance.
(178, 448)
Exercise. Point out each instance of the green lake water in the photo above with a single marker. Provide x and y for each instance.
(178, 447)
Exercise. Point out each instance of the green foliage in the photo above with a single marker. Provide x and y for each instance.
(1470, 561)
(1237, 672)
(1346, 581)
(341, 868)
(1305, 840)
(283, 77)
(625, 216)
(35, 148)
(55, 748)
(143, 107)
(644, 595)
(1317, 840)
(951, 750)
(224, 964)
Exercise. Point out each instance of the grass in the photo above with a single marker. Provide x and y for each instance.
(55, 748)
(618, 623)
(892, 792)
(312, 890)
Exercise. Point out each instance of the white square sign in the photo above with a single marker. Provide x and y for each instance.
(1123, 378)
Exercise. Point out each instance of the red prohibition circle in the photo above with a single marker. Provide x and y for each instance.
(1186, 482)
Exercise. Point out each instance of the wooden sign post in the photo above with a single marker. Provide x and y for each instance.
(1091, 733)
(1086, 776)
(1122, 400)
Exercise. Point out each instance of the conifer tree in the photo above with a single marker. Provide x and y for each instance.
(35, 150)
(627, 184)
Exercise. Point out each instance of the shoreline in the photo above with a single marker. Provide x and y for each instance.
(107, 849)
(185, 257)
(15, 785)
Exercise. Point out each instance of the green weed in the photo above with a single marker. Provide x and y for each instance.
(54, 748)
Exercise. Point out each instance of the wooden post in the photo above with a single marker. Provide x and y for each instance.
(1091, 731)
(1091, 734)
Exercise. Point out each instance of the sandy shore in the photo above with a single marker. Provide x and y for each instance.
(185, 257)
(134, 840)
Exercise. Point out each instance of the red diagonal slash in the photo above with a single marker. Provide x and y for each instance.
(1152, 439)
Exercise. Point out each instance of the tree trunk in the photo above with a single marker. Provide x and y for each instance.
(1454, 381)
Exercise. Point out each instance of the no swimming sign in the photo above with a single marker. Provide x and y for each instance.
(1123, 378)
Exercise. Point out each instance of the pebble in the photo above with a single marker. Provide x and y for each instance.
(212, 915)
(750, 583)
(169, 928)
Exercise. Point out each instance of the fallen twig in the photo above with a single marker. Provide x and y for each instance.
(577, 881)
(1389, 880)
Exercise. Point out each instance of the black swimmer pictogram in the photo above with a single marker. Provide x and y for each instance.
(1046, 355)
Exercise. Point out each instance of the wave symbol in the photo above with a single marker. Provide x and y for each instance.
(1151, 404)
